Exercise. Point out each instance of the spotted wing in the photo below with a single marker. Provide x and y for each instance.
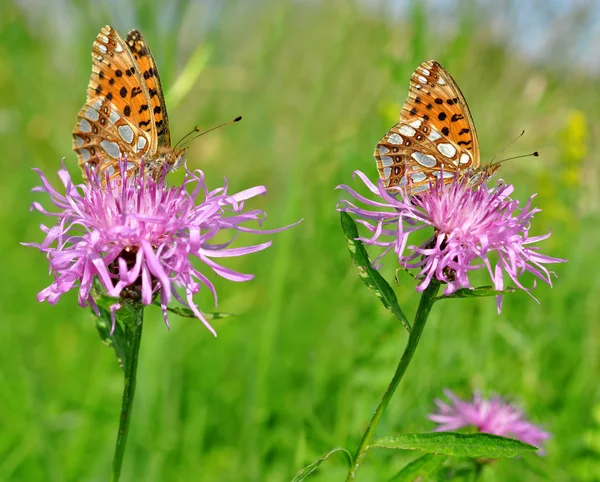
(102, 135)
(116, 95)
(435, 134)
(145, 62)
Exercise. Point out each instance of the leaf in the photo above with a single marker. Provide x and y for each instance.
(480, 292)
(117, 340)
(370, 277)
(422, 467)
(309, 469)
(477, 445)
(187, 313)
(126, 317)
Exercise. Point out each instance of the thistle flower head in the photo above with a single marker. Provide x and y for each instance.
(494, 415)
(139, 237)
(469, 225)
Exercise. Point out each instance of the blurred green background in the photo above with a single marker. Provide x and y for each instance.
(302, 366)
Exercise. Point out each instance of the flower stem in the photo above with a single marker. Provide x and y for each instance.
(133, 334)
(427, 300)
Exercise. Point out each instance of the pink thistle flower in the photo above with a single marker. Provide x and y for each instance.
(138, 236)
(469, 224)
(495, 416)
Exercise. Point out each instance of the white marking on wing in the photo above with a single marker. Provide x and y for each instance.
(422, 79)
(441, 81)
(416, 124)
(425, 71)
(387, 172)
(465, 158)
(395, 139)
(111, 148)
(85, 154)
(434, 136)
(446, 149)
(426, 160)
(79, 140)
(417, 189)
(141, 143)
(118, 48)
(126, 133)
(418, 177)
(85, 126)
(114, 116)
(383, 150)
(407, 131)
(386, 160)
(102, 48)
(92, 114)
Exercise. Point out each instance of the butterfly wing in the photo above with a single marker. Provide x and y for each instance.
(102, 136)
(116, 119)
(435, 134)
(145, 62)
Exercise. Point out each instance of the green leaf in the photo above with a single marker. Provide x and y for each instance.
(477, 445)
(187, 313)
(422, 467)
(126, 317)
(480, 292)
(117, 340)
(370, 276)
(309, 469)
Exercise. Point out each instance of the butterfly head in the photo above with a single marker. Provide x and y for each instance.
(489, 170)
(171, 157)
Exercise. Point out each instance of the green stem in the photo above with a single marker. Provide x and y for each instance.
(133, 334)
(427, 300)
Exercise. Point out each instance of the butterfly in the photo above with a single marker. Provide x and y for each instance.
(435, 137)
(125, 112)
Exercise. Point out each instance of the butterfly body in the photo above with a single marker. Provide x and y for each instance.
(125, 113)
(435, 137)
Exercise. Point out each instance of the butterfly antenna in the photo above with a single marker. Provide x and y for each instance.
(237, 119)
(196, 129)
(506, 147)
(534, 154)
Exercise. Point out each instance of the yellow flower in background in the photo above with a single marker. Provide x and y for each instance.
(573, 148)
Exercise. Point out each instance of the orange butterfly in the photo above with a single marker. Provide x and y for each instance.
(435, 136)
(125, 112)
